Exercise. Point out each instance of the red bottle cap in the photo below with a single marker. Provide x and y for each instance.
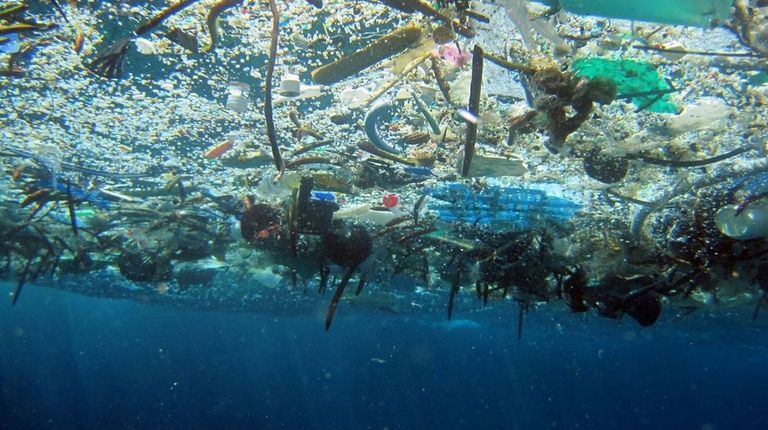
(390, 200)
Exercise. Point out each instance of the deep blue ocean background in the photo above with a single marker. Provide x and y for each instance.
(69, 361)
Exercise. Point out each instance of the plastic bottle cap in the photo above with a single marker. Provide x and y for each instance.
(290, 86)
(390, 200)
(238, 96)
(237, 103)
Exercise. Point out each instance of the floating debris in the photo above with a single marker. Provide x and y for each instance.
(219, 150)
(626, 177)
(183, 39)
(383, 48)
(472, 110)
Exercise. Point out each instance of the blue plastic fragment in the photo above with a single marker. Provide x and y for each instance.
(418, 171)
(11, 44)
(518, 207)
(78, 194)
(382, 111)
(323, 195)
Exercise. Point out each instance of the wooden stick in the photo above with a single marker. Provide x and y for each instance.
(473, 108)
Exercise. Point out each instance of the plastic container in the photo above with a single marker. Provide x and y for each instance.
(314, 209)
(701, 13)
(237, 96)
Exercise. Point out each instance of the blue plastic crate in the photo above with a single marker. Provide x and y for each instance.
(517, 207)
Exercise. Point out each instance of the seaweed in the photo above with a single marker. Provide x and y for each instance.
(109, 61)
(268, 114)
(695, 163)
(411, 6)
(212, 20)
(562, 90)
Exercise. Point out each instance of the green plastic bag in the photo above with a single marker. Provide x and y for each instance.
(630, 77)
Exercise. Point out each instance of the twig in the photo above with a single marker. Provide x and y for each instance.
(662, 92)
(370, 148)
(410, 6)
(311, 146)
(162, 16)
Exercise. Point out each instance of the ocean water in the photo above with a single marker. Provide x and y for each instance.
(70, 361)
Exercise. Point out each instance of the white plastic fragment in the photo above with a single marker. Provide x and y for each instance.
(750, 223)
(290, 86)
(706, 112)
(468, 116)
(145, 46)
(489, 166)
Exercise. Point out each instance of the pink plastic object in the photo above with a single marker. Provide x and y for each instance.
(451, 53)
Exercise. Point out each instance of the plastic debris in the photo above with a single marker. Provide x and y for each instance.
(11, 45)
(705, 113)
(237, 98)
(701, 13)
(750, 223)
(630, 77)
(497, 205)
(390, 200)
(145, 46)
(488, 166)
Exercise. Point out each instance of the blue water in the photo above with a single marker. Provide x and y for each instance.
(68, 361)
